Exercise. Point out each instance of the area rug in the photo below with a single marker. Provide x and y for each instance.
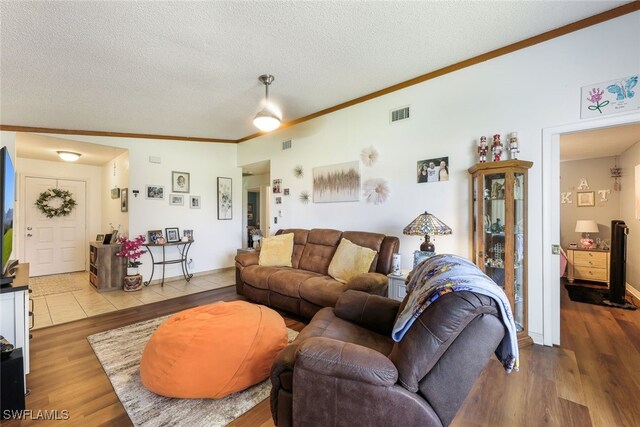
(50, 285)
(119, 351)
(593, 296)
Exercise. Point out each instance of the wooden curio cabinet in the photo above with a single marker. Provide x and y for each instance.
(499, 209)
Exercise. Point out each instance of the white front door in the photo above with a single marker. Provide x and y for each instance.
(54, 245)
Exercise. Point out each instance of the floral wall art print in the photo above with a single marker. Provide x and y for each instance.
(337, 183)
(614, 96)
(225, 207)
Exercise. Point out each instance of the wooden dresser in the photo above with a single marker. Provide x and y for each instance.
(588, 264)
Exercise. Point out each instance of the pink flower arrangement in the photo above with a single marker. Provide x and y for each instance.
(131, 250)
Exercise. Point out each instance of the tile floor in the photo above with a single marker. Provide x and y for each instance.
(69, 306)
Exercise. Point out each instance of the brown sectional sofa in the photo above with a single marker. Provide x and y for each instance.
(306, 287)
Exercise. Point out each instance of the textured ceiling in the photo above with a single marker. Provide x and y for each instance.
(191, 68)
(598, 143)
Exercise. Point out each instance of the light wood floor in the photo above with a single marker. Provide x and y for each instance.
(592, 379)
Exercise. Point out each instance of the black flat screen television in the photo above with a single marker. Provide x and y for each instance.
(7, 204)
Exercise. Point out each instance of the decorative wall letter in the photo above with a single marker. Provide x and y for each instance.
(566, 197)
(604, 195)
(583, 184)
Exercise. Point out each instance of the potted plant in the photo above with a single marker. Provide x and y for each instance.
(132, 252)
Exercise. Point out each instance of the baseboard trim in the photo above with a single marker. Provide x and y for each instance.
(633, 291)
(537, 338)
(181, 277)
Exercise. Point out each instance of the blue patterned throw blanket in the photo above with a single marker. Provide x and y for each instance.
(442, 274)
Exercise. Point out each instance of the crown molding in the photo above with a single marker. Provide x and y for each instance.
(112, 134)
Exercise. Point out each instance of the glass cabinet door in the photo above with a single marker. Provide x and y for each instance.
(519, 258)
(494, 209)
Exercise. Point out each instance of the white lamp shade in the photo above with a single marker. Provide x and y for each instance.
(586, 226)
(266, 121)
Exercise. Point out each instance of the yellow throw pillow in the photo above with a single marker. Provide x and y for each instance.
(350, 260)
(276, 251)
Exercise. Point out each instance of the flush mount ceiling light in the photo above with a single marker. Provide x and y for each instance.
(68, 156)
(266, 120)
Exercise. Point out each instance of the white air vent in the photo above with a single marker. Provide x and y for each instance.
(400, 114)
(286, 144)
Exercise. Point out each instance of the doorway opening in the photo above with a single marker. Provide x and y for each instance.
(256, 186)
(552, 197)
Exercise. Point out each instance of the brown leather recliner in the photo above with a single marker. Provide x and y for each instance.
(345, 370)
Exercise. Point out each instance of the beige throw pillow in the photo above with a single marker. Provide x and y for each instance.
(350, 260)
(276, 251)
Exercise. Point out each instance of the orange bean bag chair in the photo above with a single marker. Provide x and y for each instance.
(213, 350)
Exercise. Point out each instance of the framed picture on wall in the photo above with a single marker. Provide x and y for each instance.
(180, 182)
(433, 170)
(586, 199)
(124, 200)
(154, 192)
(194, 202)
(176, 199)
(225, 203)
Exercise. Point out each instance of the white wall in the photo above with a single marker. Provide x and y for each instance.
(525, 91)
(628, 161)
(111, 213)
(47, 169)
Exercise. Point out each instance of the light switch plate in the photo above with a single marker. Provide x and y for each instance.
(555, 249)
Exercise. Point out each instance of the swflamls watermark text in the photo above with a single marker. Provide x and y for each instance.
(40, 414)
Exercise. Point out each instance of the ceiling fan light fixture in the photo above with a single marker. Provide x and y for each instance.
(68, 156)
(266, 120)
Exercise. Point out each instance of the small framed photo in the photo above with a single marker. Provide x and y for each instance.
(154, 235)
(276, 186)
(173, 234)
(586, 199)
(107, 239)
(176, 199)
(194, 202)
(100, 238)
(124, 200)
(115, 193)
(154, 192)
(250, 216)
(180, 182)
(433, 170)
(278, 200)
(188, 234)
(286, 192)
